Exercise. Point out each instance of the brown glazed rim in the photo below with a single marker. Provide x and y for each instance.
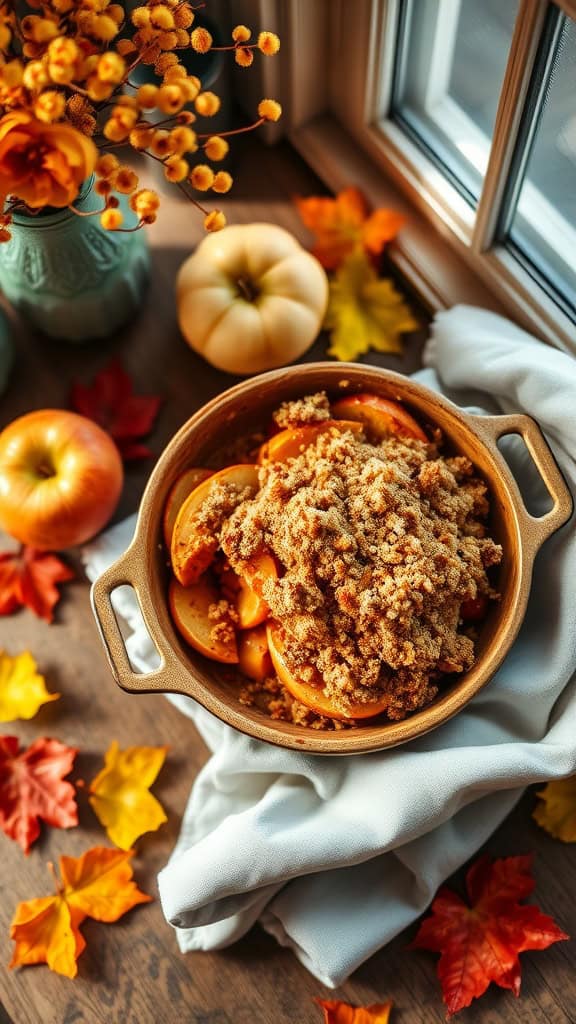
(142, 565)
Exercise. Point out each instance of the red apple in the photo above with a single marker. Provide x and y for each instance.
(60, 479)
(381, 416)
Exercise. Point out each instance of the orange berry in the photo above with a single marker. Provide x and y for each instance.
(207, 104)
(170, 99)
(216, 148)
(111, 219)
(106, 165)
(241, 34)
(201, 40)
(215, 221)
(146, 96)
(243, 56)
(268, 43)
(201, 177)
(175, 168)
(126, 180)
(270, 110)
(222, 182)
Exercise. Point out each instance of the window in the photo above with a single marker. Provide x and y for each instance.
(540, 226)
(469, 108)
(450, 64)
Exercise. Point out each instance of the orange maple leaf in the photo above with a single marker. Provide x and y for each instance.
(98, 884)
(29, 577)
(480, 942)
(343, 224)
(336, 1012)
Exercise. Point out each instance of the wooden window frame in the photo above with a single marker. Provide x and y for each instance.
(335, 80)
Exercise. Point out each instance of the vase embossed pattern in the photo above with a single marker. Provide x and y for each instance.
(70, 277)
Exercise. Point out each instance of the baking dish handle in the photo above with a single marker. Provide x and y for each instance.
(119, 574)
(537, 528)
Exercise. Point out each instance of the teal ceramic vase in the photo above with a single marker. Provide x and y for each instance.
(70, 277)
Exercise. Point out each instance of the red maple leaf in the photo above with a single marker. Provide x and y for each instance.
(32, 788)
(480, 943)
(110, 401)
(29, 577)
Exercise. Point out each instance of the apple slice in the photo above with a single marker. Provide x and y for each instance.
(313, 696)
(261, 567)
(184, 485)
(189, 608)
(251, 608)
(381, 416)
(290, 443)
(193, 548)
(253, 654)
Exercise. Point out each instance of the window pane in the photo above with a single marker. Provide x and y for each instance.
(451, 60)
(544, 224)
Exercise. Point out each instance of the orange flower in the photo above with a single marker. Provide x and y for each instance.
(42, 164)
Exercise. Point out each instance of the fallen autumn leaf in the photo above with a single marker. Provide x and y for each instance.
(557, 811)
(28, 579)
(480, 942)
(22, 688)
(98, 884)
(119, 794)
(32, 788)
(111, 402)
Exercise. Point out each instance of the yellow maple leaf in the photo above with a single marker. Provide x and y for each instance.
(365, 311)
(120, 797)
(22, 688)
(98, 884)
(557, 812)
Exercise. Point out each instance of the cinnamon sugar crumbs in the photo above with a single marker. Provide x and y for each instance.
(201, 543)
(273, 698)
(378, 546)
(301, 411)
(225, 618)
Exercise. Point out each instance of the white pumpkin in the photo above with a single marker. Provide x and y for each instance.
(250, 298)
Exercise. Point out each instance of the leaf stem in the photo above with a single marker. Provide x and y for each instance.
(57, 883)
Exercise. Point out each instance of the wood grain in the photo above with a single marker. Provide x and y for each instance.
(132, 972)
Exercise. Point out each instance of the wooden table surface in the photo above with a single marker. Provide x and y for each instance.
(132, 971)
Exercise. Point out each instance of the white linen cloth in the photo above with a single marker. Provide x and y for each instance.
(335, 856)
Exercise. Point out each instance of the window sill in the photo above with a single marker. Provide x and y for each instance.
(428, 254)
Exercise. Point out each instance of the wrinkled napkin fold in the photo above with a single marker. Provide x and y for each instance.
(335, 856)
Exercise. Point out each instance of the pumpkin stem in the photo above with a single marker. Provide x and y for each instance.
(247, 289)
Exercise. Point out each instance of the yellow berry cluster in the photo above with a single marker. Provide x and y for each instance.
(75, 61)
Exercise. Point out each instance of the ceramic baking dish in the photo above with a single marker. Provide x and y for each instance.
(247, 407)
